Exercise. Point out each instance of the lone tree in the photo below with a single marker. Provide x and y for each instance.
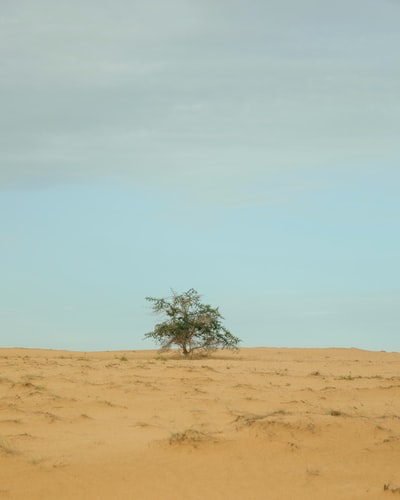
(190, 324)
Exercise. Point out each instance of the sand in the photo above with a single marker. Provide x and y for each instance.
(260, 424)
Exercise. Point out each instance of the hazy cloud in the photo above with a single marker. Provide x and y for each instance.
(198, 94)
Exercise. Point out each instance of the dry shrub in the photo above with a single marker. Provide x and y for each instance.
(250, 419)
(391, 488)
(189, 437)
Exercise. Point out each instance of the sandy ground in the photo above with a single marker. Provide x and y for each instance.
(259, 424)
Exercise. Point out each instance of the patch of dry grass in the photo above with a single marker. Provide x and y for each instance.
(190, 437)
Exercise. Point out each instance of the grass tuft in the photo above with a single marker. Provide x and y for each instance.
(190, 437)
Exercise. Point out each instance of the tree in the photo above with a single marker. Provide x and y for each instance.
(190, 324)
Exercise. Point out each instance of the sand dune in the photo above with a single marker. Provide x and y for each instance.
(259, 424)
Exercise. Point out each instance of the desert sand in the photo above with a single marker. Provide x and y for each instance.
(257, 424)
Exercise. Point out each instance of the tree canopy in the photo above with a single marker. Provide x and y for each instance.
(189, 324)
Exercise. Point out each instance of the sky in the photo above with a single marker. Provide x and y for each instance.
(247, 149)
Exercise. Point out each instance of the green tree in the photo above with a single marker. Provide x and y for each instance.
(189, 324)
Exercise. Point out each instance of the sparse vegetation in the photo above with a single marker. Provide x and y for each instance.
(189, 436)
(250, 419)
(347, 377)
(391, 488)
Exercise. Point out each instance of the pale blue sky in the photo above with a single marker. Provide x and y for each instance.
(245, 149)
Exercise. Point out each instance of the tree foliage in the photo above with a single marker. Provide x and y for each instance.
(189, 324)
